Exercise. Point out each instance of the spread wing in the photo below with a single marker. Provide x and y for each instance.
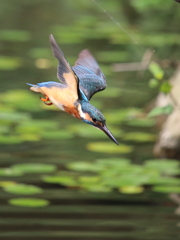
(91, 79)
(64, 71)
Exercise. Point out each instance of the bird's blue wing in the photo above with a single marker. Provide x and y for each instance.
(91, 79)
(64, 73)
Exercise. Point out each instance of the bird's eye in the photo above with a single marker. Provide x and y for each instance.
(94, 119)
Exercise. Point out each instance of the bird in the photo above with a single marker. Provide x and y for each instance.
(76, 87)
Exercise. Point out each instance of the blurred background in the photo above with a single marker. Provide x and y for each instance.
(59, 177)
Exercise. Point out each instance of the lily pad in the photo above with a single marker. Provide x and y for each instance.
(6, 183)
(9, 172)
(15, 35)
(34, 168)
(106, 147)
(111, 92)
(83, 167)
(166, 189)
(10, 139)
(58, 134)
(23, 189)
(113, 162)
(141, 122)
(13, 117)
(131, 189)
(60, 179)
(21, 99)
(122, 115)
(139, 137)
(28, 202)
(164, 166)
(10, 63)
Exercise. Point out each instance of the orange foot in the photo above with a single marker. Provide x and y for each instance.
(45, 100)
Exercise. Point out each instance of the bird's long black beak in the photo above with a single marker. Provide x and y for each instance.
(108, 133)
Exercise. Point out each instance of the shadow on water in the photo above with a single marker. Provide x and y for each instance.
(57, 180)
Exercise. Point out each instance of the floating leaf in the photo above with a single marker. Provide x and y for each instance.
(122, 115)
(34, 168)
(131, 189)
(96, 188)
(156, 70)
(60, 179)
(9, 63)
(10, 139)
(165, 166)
(6, 183)
(111, 92)
(13, 117)
(164, 180)
(138, 122)
(165, 87)
(139, 137)
(40, 52)
(166, 189)
(112, 56)
(23, 189)
(160, 110)
(9, 172)
(153, 83)
(58, 134)
(109, 147)
(113, 162)
(21, 99)
(15, 35)
(28, 202)
(83, 167)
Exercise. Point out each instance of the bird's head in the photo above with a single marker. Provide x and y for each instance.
(94, 117)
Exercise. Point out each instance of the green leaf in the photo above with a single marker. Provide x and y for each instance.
(165, 87)
(21, 99)
(10, 63)
(160, 110)
(111, 92)
(156, 70)
(139, 137)
(164, 166)
(131, 189)
(83, 167)
(9, 172)
(166, 189)
(60, 179)
(57, 134)
(10, 139)
(15, 35)
(23, 189)
(141, 122)
(153, 83)
(34, 168)
(122, 115)
(106, 147)
(6, 183)
(28, 202)
(112, 163)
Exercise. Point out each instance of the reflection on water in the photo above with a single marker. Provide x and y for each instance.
(53, 181)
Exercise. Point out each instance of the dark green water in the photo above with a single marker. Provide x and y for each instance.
(73, 213)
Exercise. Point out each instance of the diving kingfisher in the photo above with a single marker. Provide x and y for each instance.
(77, 85)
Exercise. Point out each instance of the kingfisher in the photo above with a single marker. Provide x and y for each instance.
(76, 87)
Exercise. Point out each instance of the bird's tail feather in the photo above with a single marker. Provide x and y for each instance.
(34, 87)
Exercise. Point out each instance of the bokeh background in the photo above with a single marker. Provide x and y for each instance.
(59, 177)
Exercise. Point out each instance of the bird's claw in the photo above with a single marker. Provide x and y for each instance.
(45, 100)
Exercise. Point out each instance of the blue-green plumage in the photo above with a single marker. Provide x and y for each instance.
(76, 87)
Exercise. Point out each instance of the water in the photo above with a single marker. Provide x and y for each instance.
(73, 213)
